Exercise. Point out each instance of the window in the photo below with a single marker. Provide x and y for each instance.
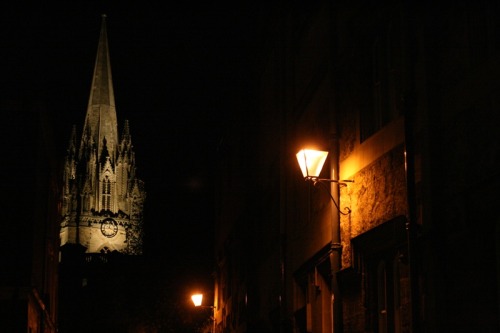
(383, 80)
(382, 297)
(389, 293)
(86, 202)
(381, 254)
(479, 18)
(106, 194)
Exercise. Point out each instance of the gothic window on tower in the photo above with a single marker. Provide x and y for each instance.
(86, 202)
(106, 194)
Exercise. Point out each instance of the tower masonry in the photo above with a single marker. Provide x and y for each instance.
(103, 199)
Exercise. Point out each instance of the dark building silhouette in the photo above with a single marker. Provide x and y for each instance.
(29, 236)
(403, 95)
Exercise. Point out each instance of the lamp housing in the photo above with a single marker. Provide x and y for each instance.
(197, 299)
(311, 162)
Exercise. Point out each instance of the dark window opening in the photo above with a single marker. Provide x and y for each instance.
(382, 73)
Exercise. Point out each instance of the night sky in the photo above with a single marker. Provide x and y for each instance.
(177, 70)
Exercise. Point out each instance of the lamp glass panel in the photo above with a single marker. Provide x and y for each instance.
(197, 299)
(311, 162)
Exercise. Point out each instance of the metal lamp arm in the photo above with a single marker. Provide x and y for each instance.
(319, 180)
(322, 181)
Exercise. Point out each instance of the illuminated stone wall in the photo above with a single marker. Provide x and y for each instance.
(377, 195)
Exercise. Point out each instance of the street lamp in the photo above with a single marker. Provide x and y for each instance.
(311, 163)
(198, 301)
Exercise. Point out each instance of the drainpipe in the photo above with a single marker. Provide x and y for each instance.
(336, 245)
(411, 221)
(409, 107)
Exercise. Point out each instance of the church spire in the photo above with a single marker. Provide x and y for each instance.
(102, 208)
(100, 122)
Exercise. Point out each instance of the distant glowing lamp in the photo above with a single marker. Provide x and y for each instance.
(197, 299)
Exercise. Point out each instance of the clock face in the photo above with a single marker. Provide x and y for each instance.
(109, 227)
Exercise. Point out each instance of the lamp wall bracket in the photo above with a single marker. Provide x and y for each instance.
(326, 180)
(322, 181)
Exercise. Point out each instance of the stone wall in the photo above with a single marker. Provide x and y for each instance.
(377, 195)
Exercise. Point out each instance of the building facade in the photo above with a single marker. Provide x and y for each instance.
(403, 97)
(103, 198)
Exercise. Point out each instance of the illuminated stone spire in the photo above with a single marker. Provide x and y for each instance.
(103, 200)
(100, 121)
